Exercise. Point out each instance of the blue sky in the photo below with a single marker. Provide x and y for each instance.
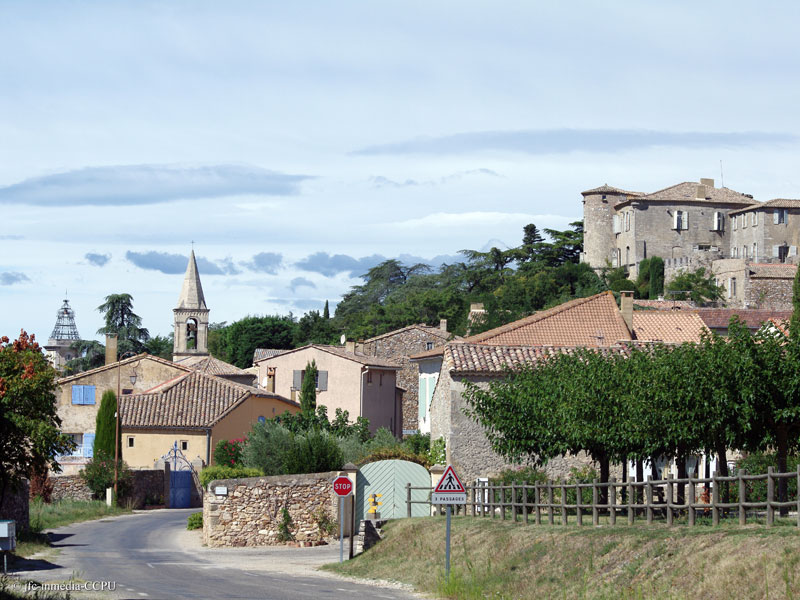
(299, 143)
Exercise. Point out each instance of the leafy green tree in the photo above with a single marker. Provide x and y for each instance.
(237, 342)
(695, 286)
(106, 427)
(326, 312)
(308, 389)
(30, 438)
(656, 277)
(121, 320)
(643, 279)
(313, 328)
(90, 354)
(160, 346)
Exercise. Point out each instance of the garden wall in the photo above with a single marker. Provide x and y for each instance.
(250, 513)
(14, 505)
(149, 486)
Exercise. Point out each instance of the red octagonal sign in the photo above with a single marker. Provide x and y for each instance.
(342, 486)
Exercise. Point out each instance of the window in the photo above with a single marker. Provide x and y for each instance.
(83, 394)
(616, 224)
(780, 252)
(744, 251)
(184, 445)
(130, 441)
(127, 391)
(628, 221)
(369, 376)
(717, 222)
(428, 345)
(627, 255)
(263, 419)
(680, 220)
(754, 218)
(755, 251)
(744, 221)
(780, 216)
(732, 287)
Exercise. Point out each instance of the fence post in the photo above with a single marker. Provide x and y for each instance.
(669, 499)
(514, 502)
(537, 496)
(691, 501)
(550, 517)
(408, 500)
(492, 490)
(612, 502)
(770, 496)
(742, 494)
(525, 501)
(502, 502)
(798, 494)
(595, 510)
(714, 499)
(631, 501)
(649, 500)
(563, 504)
(578, 500)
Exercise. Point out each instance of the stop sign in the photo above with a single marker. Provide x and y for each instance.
(342, 486)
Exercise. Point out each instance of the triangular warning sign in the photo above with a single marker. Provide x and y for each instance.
(449, 483)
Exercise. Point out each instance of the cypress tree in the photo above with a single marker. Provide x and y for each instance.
(308, 390)
(326, 313)
(105, 426)
(656, 277)
(794, 322)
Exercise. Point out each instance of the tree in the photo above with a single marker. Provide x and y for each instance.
(326, 312)
(106, 427)
(122, 321)
(695, 286)
(161, 346)
(237, 342)
(308, 389)
(643, 279)
(30, 438)
(656, 277)
(89, 355)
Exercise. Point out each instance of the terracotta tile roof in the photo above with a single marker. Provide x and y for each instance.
(194, 400)
(211, 365)
(687, 191)
(589, 322)
(668, 327)
(607, 189)
(422, 327)
(772, 270)
(132, 359)
(718, 318)
(262, 353)
(370, 361)
(781, 325)
(774, 203)
(664, 304)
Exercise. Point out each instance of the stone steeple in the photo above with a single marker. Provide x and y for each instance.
(191, 316)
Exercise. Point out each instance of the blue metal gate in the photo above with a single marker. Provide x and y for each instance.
(389, 479)
(180, 489)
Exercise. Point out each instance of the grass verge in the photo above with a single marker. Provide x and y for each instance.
(503, 560)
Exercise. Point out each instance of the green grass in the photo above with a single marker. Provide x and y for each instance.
(496, 559)
(63, 512)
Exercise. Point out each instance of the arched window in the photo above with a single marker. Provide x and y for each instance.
(191, 334)
(627, 255)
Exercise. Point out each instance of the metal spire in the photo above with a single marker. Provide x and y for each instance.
(65, 328)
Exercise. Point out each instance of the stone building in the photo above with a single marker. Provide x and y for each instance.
(398, 345)
(692, 225)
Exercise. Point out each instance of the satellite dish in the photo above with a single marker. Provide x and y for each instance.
(343, 339)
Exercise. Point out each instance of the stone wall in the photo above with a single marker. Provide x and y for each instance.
(771, 294)
(399, 346)
(14, 506)
(147, 484)
(250, 513)
(70, 486)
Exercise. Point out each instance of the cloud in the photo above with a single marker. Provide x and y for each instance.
(299, 282)
(304, 304)
(148, 184)
(380, 181)
(98, 260)
(560, 141)
(330, 265)
(443, 220)
(175, 264)
(12, 277)
(11, 237)
(266, 262)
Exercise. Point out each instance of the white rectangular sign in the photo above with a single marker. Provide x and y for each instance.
(448, 498)
(220, 490)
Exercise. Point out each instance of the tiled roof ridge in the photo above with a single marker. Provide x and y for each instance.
(429, 329)
(125, 361)
(165, 385)
(342, 353)
(610, 188)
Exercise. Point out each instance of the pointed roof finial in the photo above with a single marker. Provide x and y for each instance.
(192, 291)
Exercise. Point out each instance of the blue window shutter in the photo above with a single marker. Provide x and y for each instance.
(88, 394)
(322, 380)
(88, 444)
(77, 394)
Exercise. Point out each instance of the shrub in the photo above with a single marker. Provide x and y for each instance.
(327, 527)
(228, 452)
(352, 448)
(529, 475)
(437, 455)
(41, 486)
(313, 452)
(418, 443)
(209, 474)
(284, 533)
(395, 453)
(266, 448)
(195, 521)
(99, 475)
(757, 463)
(383, 439)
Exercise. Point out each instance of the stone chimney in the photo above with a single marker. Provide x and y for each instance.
(111, 348)
(707, 182)
(476, 316)
(443, 324)
(350, 346)
(626, 308)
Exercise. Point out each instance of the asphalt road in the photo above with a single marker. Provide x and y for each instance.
(143, 555)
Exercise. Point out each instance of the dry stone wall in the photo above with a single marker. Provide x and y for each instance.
(70, 486)
(149, 486)
(251, 512)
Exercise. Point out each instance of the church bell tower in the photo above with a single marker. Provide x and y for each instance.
(191, 316)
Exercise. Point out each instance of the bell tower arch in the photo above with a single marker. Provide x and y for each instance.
(191, 316)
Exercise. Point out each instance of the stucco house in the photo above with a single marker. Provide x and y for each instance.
(593, 322)
(196, 411)
(78, 398)
(364, 386)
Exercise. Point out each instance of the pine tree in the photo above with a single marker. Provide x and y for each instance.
(326, 312)
(308, 389)
(105, 427)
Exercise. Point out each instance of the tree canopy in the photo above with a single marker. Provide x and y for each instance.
(121, 320)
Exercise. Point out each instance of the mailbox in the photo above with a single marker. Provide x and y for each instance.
(8, 537)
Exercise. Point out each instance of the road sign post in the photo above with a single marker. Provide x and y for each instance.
(342, 487)
(448, 491)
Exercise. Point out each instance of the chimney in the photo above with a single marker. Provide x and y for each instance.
(350, 346)
(443, 324)
(701, 192)
(111, 348)
(626, 308)
(476, 316)
(707, 182)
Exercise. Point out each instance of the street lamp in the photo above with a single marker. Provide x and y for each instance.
(116, 417)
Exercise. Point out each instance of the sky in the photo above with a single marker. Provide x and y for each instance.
(298, 144)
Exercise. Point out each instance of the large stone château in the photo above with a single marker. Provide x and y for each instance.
(749, 246)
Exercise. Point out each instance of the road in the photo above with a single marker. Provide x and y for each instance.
(151, 555)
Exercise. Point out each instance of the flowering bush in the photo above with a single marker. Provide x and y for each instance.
(229, 453)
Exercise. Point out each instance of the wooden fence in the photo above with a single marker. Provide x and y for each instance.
(664, 498)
